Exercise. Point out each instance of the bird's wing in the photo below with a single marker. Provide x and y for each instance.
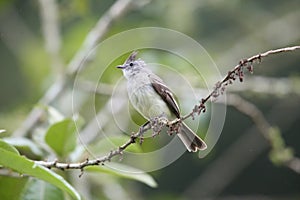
(165, 93)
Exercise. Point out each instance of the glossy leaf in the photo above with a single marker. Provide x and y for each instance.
(11, 187)
(4, 145)
(40, 190)
(24, 143)
(61, 137)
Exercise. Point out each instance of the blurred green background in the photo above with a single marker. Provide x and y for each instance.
(239, 166)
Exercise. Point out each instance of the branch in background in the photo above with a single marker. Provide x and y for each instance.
(241, 152)
(90, 131)
(280, 154)
(90, 87)
(51, 32)
(118, 9)
(218, 90)
(252, 112)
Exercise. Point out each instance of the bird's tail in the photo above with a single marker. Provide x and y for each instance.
(190, 140)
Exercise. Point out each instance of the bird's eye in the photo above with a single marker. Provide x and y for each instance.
(131, 64)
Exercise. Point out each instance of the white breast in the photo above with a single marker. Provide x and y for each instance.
(145, 99)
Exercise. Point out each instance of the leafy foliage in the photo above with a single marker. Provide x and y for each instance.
(7, 147)
(40, 190)
(10, 159)
(61, 137)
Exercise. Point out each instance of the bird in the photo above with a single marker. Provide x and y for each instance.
(150, 96)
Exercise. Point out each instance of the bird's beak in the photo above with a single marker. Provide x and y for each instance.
(131, 58)
(121, 66)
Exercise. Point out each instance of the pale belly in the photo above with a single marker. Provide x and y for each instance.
(148, 103)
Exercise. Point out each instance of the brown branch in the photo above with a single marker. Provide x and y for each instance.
(236, 72)
(294, 164)
(218, 90)
(98, 161)
(252, 112)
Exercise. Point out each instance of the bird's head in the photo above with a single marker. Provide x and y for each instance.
(132, 65)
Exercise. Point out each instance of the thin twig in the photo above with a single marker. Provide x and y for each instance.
(232, 75)
(98, 161)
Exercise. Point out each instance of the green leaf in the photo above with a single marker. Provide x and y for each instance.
(124, 171)
(24, 144)
(12, 187)
(39, 190)
(61, 137)
(8, 147)
(24, 166)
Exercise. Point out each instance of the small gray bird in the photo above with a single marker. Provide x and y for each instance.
(151, 98)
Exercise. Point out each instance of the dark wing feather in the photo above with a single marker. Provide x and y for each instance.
(165, 93)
